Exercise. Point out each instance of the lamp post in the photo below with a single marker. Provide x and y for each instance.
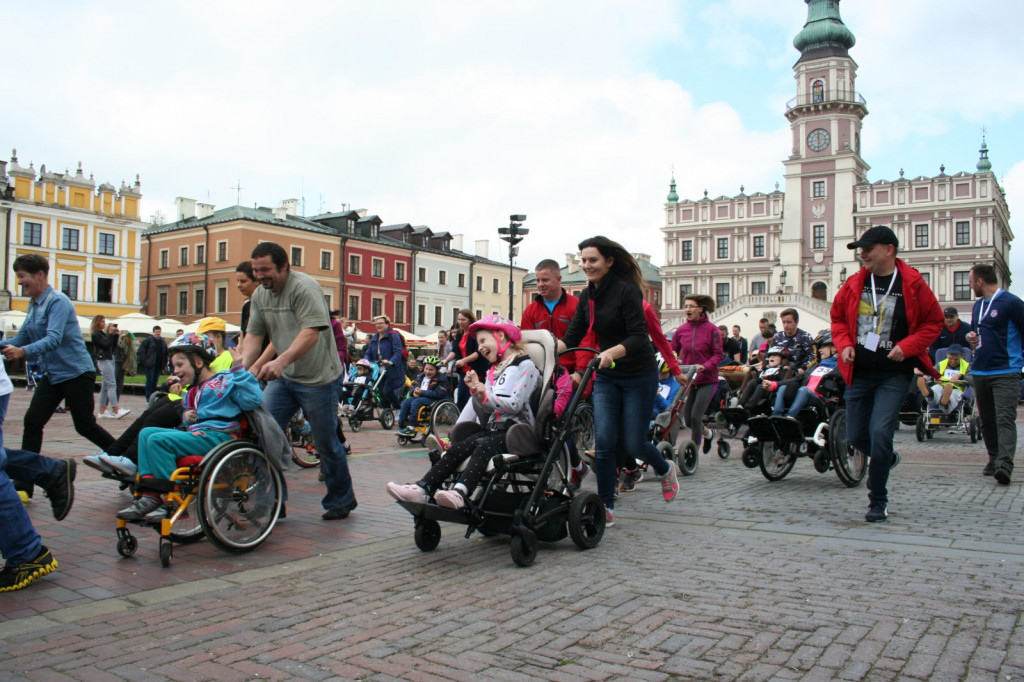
(513, 234)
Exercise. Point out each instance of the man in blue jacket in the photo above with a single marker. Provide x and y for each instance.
(997, 335)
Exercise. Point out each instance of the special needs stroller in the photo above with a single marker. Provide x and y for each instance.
(367, 399)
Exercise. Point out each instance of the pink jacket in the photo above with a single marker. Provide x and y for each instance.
(699, 343)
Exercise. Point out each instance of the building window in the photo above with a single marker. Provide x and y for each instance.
(376, 307)
(495, 286)
(927, 277)
(437, 316)
(200, 254)
(688, 249)
(479, 313)
(962, 286)
(684, 291)
(721, 294)
(442, 278)
(222, 299)
(818, 91)
(963, 233)
(200, 308)
(161, 304)
(758, 288)
(353, 307)
(69, 286)
(354, 263)
(421, 314)
(759, 247)
(183, 256)
(32, 234)
(164, 258)
(377, 267)
(462, 280)
(818, 188)
(421, 274)
(723, 247)
(819, 236)
(479, 285)
(296, 256)
(326, 260)
(399, 312)
(106, 244)
(104, 290)
(921, 236)
(69, 239)
(455, 315)
(183, 302)
(400, 272)
(222, 251)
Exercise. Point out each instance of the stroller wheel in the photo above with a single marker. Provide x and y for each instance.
(387, 418)
(355, 424)
(723, 449)
(523, 547)
(427, 534)
(688, 458)
(751, 454)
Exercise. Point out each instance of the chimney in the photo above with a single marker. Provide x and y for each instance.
(361, 212)
(482, 248)
(572, 263)
(204, 210)
(185, 208)
(291, 206)
(642, 257)
(456, 242)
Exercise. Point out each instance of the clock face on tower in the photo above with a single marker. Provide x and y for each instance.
(818, 139)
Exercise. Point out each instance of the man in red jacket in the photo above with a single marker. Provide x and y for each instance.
(553, 308)
(883, 319)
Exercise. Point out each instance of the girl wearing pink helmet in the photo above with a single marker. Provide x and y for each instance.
(499, 401)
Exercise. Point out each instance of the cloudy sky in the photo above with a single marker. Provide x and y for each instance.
(456, 114)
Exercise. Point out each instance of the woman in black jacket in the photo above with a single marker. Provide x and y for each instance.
(611, 307)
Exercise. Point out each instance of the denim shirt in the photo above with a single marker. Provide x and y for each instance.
(51, 334)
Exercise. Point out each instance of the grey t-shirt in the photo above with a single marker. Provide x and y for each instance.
(281, 316)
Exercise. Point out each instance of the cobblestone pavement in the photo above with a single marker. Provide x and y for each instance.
(737, 579)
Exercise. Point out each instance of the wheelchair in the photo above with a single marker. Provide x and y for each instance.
(233, 496)
(300, 436)
(437, 418)
(525, 494)
(664, 431)
(962, 420)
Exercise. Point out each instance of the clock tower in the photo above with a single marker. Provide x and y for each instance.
(825, 164)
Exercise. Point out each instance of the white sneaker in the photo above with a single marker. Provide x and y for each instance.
(98, 464)
(104, 415)
(119, 465)
(407, 493)
(120, 413)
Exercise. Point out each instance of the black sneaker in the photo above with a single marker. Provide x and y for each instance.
(1002, 476)
(708, 441)
(876, 513)
(896, 459)
(339, 513)
(989, 470)
(16, 577)
(62, 493)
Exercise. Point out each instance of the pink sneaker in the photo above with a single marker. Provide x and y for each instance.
(609, 518)
(407, 493)
(669, 483)
(449, 499)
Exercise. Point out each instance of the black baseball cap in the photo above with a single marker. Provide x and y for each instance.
(879, 234)
(951, 312)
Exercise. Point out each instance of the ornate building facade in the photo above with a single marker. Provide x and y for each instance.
(759, 253)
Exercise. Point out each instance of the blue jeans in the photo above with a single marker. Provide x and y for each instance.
(152, 377)
(873, 403)
(19, 541)
(411, 408)
(283, 397)
(622, 410)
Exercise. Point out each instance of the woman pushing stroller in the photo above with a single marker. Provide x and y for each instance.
(498, 402)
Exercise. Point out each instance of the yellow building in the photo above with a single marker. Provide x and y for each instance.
(90, 235)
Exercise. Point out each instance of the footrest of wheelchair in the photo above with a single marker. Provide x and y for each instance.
(736, 416)
(762, 429)
(433, 512)
(788, 429)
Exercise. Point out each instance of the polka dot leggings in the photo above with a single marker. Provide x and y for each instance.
(479, 448)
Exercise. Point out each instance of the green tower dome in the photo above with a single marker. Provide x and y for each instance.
(824, 34)
(984, 165)
(673, 197)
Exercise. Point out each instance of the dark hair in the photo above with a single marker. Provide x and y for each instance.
(764, 320)
(791, 312)
(705, 302)
(158, 327)
(722, 328)
(983, 271)
(548, 264)
(246, 267)
(623, 263)
(31, 263)
(276, 253)
(467, 313)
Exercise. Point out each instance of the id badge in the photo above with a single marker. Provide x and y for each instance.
(871, 341)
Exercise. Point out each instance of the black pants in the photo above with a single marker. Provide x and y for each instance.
(163, 413)
(77, 393)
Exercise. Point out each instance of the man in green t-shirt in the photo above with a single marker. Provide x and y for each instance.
(290, 311)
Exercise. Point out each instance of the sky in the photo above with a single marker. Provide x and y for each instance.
(455, 115)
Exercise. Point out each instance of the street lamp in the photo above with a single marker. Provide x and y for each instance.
(513, 234)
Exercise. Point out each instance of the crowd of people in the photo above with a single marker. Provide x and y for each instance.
(886, 327)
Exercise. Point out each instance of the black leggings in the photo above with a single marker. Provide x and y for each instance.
(164, 413)
(479, 448)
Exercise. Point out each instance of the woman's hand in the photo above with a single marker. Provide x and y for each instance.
(607, 359)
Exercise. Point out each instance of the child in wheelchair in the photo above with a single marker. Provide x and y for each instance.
(213, 408)
(359, 382)
(755, 396)
(498, 403)
(794, 395)
(948, 391)
(429, 387)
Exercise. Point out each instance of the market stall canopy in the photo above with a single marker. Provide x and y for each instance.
(138, 323)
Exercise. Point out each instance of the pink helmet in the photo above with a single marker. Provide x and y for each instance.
(497, 323)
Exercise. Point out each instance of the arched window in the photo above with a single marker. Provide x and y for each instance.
(820, 291)
(818, 91)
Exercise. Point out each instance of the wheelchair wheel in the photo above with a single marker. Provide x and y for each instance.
(850, 464)
(403, 440)
(166, 551)
(427, 534)
(126, 545)
(355, 424)
(303, 452)
(523, 548)
(776, 461)
(751, 456)
(586, 520)
(443, 418)
(582, 428)
(239, 496)
(387, 418)
(688, 458)
(723, 449)
(187, 528)
(920, 429)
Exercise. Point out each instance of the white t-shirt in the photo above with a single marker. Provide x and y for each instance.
(5, 381)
